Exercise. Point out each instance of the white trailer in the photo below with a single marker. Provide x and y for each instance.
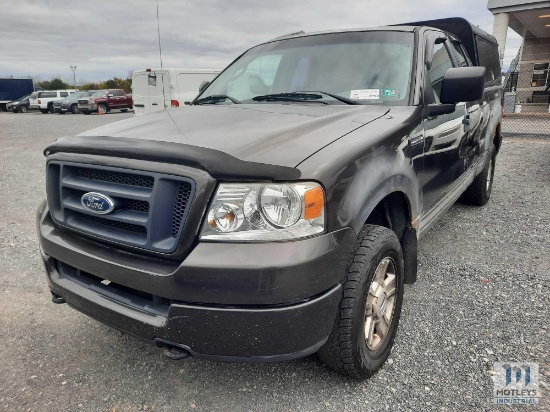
(154, 90)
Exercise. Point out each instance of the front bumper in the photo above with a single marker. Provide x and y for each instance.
(88, 107)
(228, 302)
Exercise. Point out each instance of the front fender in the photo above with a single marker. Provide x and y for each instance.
(400, 183)
(381, 175)
(361, 168)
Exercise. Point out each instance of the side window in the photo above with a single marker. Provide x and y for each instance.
(63, 94)
(441, 62)
(459, 54)
(489, 58)
(119, 93)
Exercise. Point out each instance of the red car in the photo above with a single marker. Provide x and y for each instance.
(106, 100)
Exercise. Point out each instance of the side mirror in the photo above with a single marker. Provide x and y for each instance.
(433, 110)
(463, 84)
(111, 94)
(203, 85)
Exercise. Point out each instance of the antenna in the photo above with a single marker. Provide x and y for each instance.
(160, 56)
(162, 74)
(158, 32)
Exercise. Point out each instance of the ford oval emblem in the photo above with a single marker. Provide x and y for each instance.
(97, 203)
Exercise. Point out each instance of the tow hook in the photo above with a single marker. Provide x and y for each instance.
(175, 353)
(171, 350)
(57, 299)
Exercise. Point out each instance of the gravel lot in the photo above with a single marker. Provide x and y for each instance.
(482, 296)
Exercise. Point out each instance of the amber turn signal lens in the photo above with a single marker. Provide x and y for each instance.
(314, 202)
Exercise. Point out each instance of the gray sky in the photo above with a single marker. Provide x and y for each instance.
(109, 38)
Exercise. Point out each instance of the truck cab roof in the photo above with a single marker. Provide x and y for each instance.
(461, 28)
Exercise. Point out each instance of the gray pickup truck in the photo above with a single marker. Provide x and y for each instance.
(278, 215)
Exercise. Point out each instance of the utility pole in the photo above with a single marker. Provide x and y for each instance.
(73, 68)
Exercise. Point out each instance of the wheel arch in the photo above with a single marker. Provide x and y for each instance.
(394, 211)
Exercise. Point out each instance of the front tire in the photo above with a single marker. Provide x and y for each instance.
(368, 316)
(102, 108)
(44, 111)
(123, 110)
(85, 111)
(23, 109)
(74, 109)
(479, 192)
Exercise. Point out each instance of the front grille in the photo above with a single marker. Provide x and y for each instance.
(149, 209)
(115, 177)
(128, 227)
(180, 206)
(83, 101)
(137, 205)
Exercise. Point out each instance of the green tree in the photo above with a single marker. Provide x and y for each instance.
(54, 84)
(114, 83)
(58, 84)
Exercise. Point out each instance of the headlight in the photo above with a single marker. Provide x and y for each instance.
(14, 103)
(265, 212)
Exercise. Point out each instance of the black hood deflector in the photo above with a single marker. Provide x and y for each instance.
(218, 164)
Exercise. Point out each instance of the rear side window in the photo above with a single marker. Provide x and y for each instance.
(45, 95)
(64, 94)
(441, 62)
(489, 58)
(119, 93)
(459, 54)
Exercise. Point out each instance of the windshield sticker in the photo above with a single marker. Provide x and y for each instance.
(365, 94)
(388, 92)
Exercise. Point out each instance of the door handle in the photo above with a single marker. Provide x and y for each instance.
(154, 104)
(466, 122)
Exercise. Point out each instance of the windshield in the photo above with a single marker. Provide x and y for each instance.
(75, 96)
(99, 93)
(367, 67)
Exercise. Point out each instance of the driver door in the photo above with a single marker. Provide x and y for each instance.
(445, 136)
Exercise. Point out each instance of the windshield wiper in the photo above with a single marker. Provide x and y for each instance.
(302, 96)
(216, 98)
(335, 96)
(289, 97)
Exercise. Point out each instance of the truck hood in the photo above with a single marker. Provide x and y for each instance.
(276, 134)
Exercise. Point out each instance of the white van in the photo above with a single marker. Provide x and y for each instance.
(44, 99)
(153, 90)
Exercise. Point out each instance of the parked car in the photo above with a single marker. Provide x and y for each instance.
(44, 99)
(266, 227)
(70, 103)
(105, 101)
(19, 105)
(153, 90)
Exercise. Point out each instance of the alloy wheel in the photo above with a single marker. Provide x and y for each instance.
(381, 298)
